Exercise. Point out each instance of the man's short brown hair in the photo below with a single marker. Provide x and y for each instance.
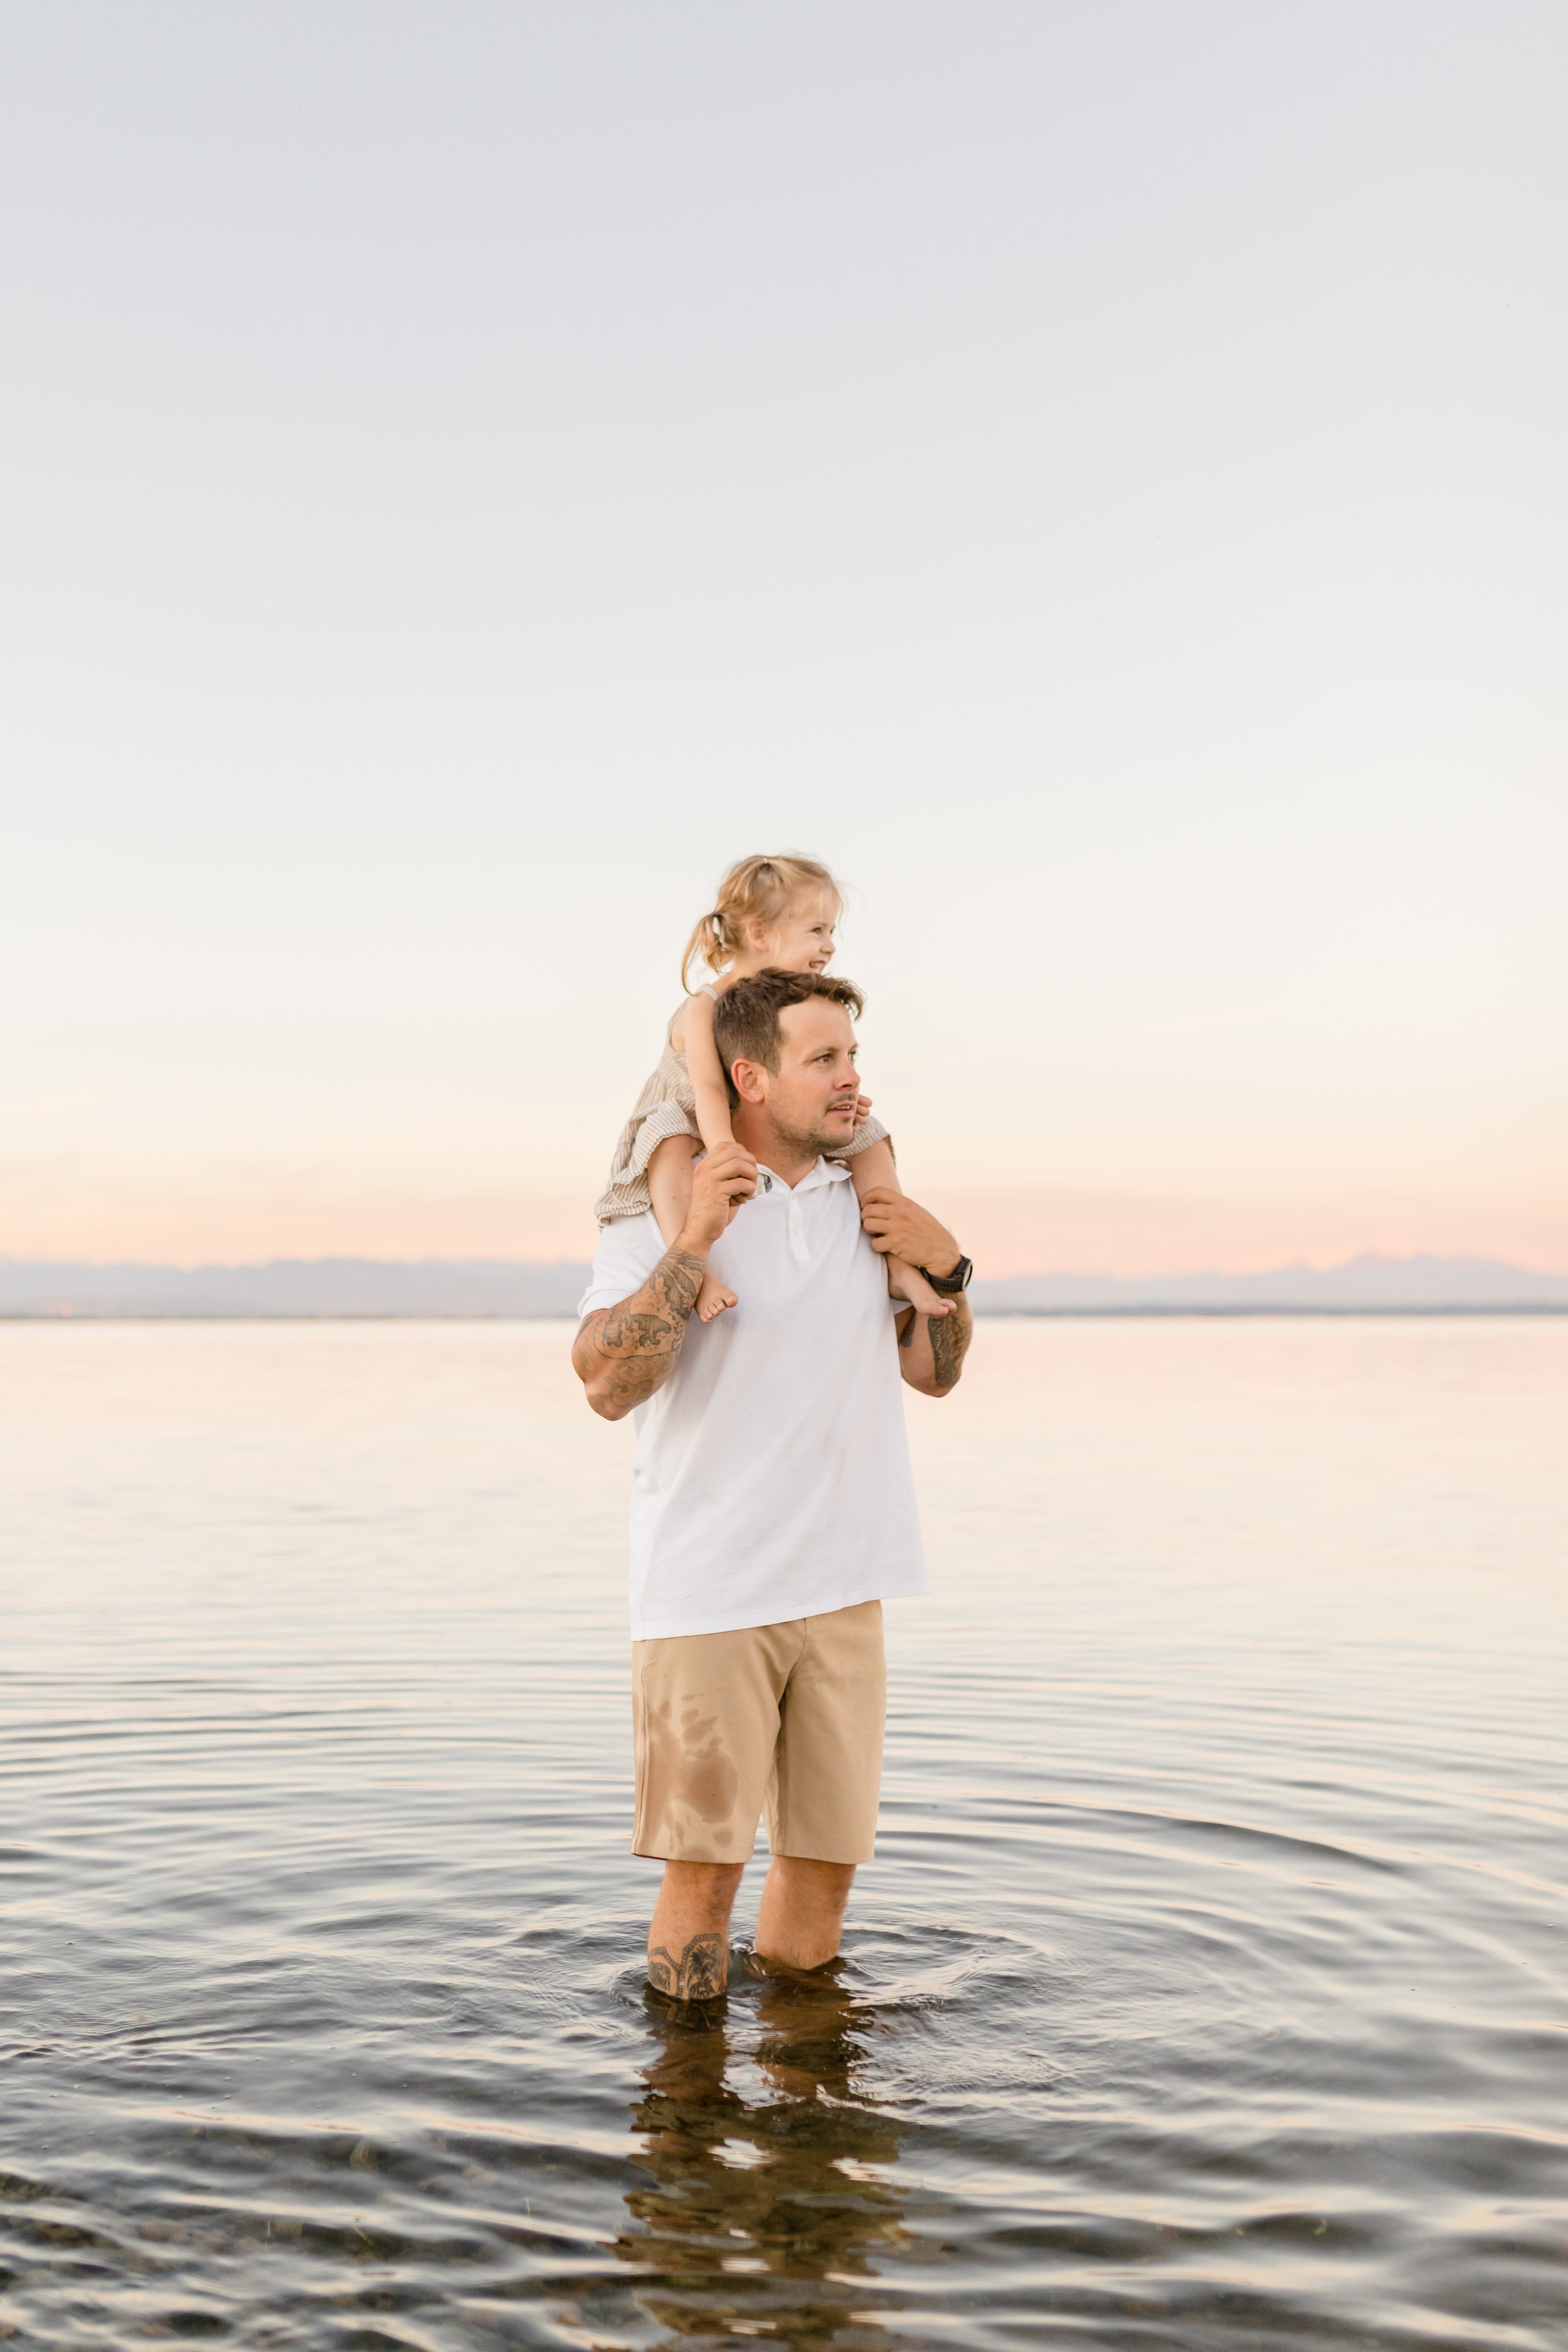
(746, 1017)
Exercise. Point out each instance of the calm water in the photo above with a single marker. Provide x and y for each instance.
(1210, 1988)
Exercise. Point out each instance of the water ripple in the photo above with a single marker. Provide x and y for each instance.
(1208, 1992)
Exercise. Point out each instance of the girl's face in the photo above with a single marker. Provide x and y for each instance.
(801, 941)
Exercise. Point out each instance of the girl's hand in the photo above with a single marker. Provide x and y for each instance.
(898, 1226)
(862, 1109)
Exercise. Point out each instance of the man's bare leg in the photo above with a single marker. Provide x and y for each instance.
(801, 1916)
(689, 1942)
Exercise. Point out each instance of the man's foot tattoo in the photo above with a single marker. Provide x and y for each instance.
(699, 1974)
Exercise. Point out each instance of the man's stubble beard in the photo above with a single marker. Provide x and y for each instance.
(800, 1136)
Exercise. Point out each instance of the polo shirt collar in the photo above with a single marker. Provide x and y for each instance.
(826, 1171)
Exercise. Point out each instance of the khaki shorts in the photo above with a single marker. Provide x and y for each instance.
(786, 1716)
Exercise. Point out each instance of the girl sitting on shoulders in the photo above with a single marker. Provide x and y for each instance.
(773, 914)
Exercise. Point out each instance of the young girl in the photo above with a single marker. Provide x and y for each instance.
(772, 914)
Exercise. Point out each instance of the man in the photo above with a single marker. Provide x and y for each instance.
(773, 1506)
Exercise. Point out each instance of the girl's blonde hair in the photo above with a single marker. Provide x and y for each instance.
(755, 890)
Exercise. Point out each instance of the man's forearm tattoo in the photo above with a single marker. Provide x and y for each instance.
(642, 1337)
(949, 1338)
(700, 1973)
(647, 1322)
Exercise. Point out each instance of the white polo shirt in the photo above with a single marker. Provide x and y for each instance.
(771, 1477)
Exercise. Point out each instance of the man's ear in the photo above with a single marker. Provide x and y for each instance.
(749, 1081)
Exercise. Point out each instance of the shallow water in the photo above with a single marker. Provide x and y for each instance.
(1210, 1988)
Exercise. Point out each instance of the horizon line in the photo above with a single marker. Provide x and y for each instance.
(1296, 1265)
(1150, 1311)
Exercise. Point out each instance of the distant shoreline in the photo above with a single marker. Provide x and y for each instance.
(506, 1290)
(59, 1316)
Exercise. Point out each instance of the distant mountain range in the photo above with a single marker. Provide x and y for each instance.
(295, 1287)
(508, 1288)
(1369, 1285)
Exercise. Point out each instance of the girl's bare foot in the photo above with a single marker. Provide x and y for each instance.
(907, 1281)
(712, 1299)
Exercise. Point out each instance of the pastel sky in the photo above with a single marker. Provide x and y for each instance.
(1093, 473)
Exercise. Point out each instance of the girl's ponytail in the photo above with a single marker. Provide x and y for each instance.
(707, 945)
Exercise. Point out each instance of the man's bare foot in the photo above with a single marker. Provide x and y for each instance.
(906, 1281)
(712, 1299)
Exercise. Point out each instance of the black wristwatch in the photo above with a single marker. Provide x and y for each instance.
(950, 1285)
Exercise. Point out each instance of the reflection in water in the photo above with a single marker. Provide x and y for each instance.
(762, 2216)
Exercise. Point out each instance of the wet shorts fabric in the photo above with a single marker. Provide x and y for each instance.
(783, 1718)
